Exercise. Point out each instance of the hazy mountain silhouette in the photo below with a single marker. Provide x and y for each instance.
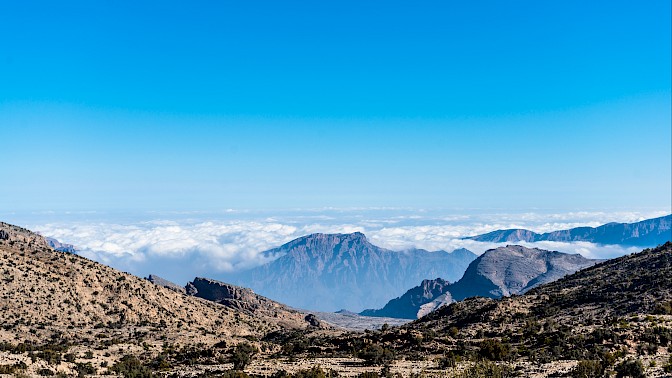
(328, 272)
(650, 232)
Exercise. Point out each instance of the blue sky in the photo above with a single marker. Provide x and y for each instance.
(275, 105)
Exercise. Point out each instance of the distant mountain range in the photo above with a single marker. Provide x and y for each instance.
(647, 233)
(496, 273)
(328, 272)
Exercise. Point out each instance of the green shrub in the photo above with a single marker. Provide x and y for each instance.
(588, 369)
(85, 369)
(314, 372)
(448, 361)
(368, 374)
(233, 374)
(375, 354)
(494, 350)
(242, 355)
(486, 369)
(131, 367)
(11, 369)
(45, 372)
(668, 366)
(630, 368)
(664, 308)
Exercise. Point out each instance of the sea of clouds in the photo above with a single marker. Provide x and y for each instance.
(180, 246)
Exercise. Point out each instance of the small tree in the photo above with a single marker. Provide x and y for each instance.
(630, 368)
(588, 369)
(495, 350)
(375, 354)
(242, 355)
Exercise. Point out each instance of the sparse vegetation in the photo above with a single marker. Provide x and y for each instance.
(242, 355)
(130, 366)
(374, 354)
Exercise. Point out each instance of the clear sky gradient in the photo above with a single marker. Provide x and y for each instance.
(213, 105)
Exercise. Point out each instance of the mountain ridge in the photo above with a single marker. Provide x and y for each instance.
(645, 233)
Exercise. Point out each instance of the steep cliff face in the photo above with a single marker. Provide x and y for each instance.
(650, 232)
(329, 272)
(496, 273)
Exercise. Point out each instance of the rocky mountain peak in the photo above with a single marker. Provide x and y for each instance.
(498, 272)
(515, 269)
(327, 272)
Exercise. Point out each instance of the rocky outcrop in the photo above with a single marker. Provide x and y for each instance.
(244, 299)
(327, 272)
(228, 295)
(647, 233)
(313, 320)
(156, 280)
(496, 273)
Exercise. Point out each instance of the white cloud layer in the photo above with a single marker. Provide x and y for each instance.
(181, 249)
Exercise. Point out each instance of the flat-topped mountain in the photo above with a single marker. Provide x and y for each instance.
(496, 273)
(650, 232)
(328, 272)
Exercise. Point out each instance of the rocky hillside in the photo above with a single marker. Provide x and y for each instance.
(611, 319)
(329, 272)
(647, 233)
(50, 294)
(640, 283)
(496, 273)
